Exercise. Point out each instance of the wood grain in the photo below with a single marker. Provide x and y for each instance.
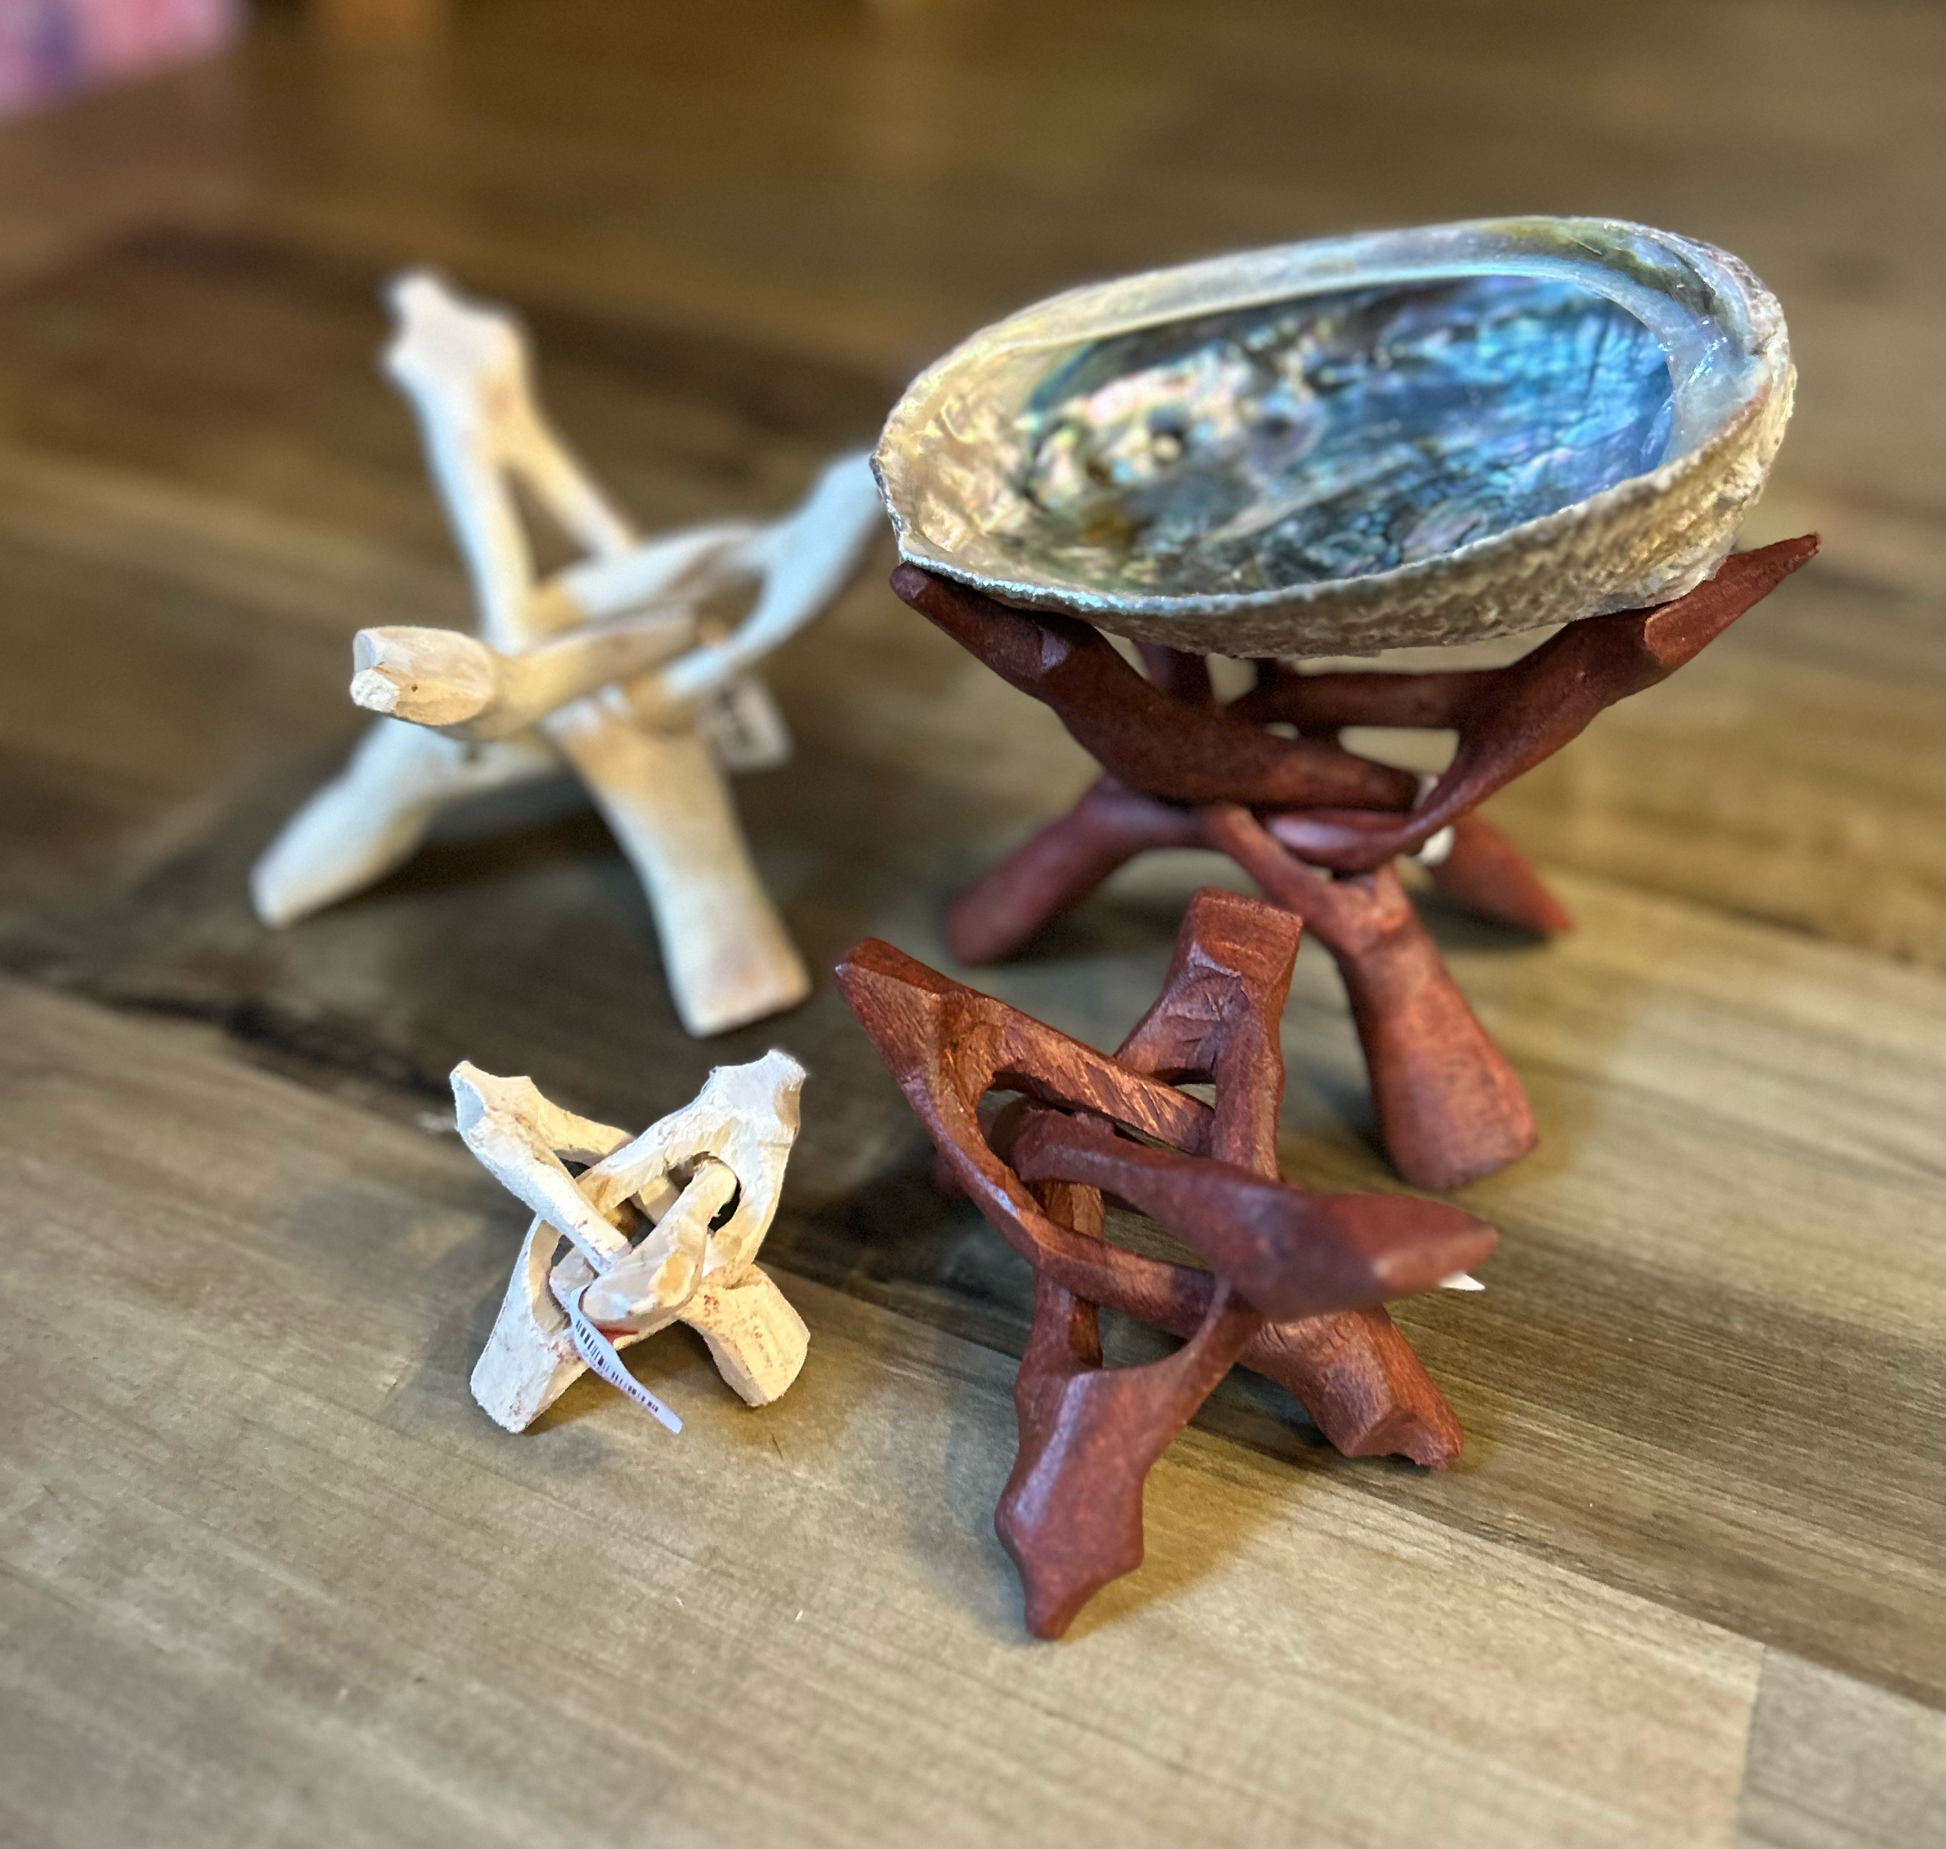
(270, 1578)
(1835, 1764)
(438, 1632)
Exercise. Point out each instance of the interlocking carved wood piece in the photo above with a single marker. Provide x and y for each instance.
(622, 665)
(663, 1227)
(1318, 827)
(1296, 1279)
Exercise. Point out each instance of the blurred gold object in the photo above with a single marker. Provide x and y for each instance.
(381, 22)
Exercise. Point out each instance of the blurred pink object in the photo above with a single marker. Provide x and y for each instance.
(50, 48)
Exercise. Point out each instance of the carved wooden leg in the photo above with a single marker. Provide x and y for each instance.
(1365, 1389)
(1352, 1371)
(1071, 1514)
(1449, 1106)
(371, 817)
(1055, 869)
(755, 1335)
(1484, 872)
(725, 951)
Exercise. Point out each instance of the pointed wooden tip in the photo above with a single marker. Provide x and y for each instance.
(910, 582)
(436, 677)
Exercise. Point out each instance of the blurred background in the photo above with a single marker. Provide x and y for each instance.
(740, 227)
(869, 179)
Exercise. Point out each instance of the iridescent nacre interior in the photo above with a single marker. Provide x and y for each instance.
(1327, 437)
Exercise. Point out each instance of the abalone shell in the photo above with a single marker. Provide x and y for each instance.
(1398, 439)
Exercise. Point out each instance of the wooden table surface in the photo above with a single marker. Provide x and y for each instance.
(267, 1576)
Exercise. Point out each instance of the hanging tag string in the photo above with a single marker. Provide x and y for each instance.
(595, 1348)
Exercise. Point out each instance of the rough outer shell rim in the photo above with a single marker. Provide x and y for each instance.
(1644, 540)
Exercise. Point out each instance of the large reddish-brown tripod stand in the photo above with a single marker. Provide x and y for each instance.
(1265, 780)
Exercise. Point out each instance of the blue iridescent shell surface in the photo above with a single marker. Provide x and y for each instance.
(1409, 437)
